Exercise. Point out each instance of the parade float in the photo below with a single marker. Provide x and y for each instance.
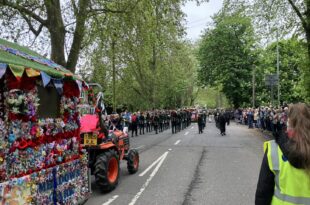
(41, 161)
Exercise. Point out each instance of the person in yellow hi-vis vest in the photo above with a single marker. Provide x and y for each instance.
(284, 177)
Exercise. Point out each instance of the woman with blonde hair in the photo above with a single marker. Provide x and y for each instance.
(285, 172)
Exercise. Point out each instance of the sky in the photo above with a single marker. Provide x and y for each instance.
(198, 16)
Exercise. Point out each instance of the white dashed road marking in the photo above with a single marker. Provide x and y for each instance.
(110, 200)
(139, 147)
(186, 133)
(177, 142)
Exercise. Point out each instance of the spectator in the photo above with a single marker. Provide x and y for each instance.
(285, 172)
(250, 117)
(134, 124)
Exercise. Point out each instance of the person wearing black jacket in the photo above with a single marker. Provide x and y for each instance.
(222, 123)
(141, 123)
(200, 123)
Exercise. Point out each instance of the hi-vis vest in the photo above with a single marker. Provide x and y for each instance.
(292, 186)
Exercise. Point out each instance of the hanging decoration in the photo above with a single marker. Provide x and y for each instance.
(58, 83)
(32, 72)
(45, 78)
(17, 71)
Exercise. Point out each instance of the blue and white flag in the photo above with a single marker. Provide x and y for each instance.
(45, 78)
(58, 83)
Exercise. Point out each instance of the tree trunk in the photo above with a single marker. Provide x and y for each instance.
(307, 75)
(56, 28)
(78, 35)
(308, 43)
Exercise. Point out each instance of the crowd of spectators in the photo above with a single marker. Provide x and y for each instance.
(265, 118)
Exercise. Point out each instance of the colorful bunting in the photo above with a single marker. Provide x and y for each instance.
(17, 70)
(37, 59)
(58, 83)
(32, 73)
(3, 67)
(45, 78)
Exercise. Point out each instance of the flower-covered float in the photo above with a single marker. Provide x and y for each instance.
(40, 157)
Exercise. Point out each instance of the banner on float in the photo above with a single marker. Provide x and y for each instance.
(63, 184)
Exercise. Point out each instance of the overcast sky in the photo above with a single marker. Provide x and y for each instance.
(198, 16)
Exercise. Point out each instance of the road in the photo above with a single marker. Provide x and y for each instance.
(190, 168)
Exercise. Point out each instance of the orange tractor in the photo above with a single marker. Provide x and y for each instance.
(106, 148)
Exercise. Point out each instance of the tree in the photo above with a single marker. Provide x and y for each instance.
(277, 19)
(289, 18)
(154, 67)
(293, 56)
(226, 56)
(64, 22)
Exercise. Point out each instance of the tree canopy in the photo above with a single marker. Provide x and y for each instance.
(137, 49)
(227, 57)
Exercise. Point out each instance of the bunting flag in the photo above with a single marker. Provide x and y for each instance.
(79, 83)
(17, 71)
(32, 73)
(45, 78)
(3, 67)
(58, 85)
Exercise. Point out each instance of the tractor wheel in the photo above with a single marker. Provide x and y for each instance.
(133, 161)
(107, 170)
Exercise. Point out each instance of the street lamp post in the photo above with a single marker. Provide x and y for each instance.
(253, 87)
(278, 58)
(114, 75)
(278, 68)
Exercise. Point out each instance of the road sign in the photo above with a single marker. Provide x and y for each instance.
(271, 80)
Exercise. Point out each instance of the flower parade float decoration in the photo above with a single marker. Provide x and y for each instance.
(41, 160)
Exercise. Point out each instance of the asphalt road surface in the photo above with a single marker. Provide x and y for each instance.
(190, 168)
